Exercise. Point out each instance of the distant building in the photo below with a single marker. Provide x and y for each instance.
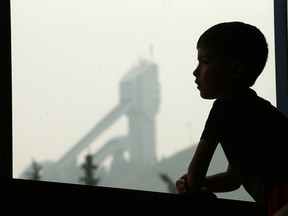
(139, 101)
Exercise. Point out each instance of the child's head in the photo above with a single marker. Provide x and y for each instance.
(240, 44)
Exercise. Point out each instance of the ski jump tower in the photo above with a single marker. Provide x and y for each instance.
(139, 100)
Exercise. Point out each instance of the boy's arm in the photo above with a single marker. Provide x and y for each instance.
(195, 179)
(199, 165)
(222, 182)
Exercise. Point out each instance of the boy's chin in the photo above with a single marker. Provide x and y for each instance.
(207, 96)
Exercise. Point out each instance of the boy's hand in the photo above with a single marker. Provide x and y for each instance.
(182, 185)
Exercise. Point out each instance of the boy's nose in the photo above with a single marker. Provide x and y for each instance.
(196, 72)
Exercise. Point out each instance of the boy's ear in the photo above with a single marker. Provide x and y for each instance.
(238, 69)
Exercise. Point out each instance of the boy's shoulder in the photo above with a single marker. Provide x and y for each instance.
(243, 97)
(246, 103)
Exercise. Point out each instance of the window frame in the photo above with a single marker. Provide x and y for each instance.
(280, 31)
(16, 195)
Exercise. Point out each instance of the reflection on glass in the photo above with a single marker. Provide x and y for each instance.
(103, 91)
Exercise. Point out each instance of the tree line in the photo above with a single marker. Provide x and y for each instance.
(89, 168)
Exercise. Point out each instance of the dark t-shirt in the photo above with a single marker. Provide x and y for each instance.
(254, 137)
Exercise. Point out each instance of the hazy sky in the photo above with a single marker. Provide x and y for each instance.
(69, 56)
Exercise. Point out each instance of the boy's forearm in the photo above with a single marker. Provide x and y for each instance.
(221, 182)
(199, 165)
(195, 182)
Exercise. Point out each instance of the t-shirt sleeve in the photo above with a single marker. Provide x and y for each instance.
(213, 129)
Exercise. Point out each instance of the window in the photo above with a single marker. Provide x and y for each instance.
(80, 85)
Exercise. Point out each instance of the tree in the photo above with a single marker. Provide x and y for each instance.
(170, 183)
(36, 171)
(89, 169)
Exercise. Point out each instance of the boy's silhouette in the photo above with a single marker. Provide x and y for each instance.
(252, 132)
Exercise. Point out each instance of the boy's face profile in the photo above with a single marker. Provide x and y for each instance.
(212, 74)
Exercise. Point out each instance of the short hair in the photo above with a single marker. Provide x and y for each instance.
(238, 41)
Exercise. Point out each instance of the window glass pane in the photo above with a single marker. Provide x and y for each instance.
(114, 79)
